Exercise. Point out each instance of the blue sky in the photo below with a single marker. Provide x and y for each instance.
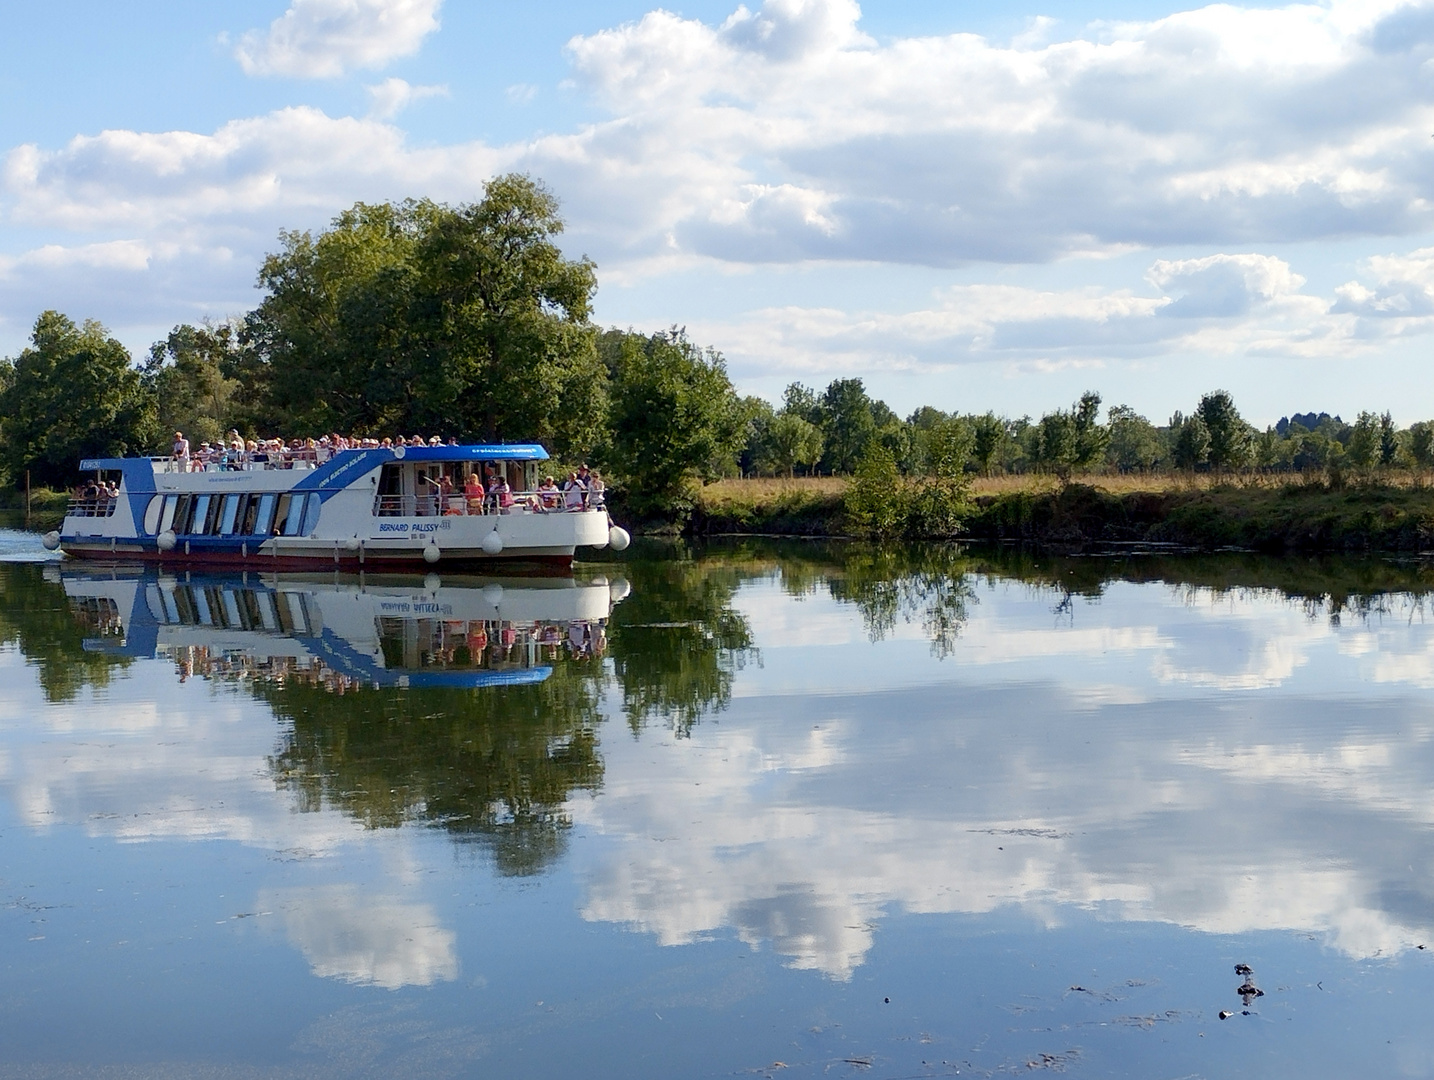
(969, 205)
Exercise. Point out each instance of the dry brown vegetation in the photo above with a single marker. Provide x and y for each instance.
(760, 490)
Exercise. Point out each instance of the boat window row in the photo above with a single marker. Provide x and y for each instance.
(233, 609)
(269, 513)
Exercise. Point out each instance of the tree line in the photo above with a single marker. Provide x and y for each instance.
(418, 317)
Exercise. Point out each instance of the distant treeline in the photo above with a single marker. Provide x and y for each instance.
(421, 318)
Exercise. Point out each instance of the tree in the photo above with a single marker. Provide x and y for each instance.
(674, 419)
(790, 441)
(1421, 443)
(190, 375)
(1134, 442)
(847, 424)
(1230, 439)
(1362, 450)
(989, 436)
(1388, 440)
(409, 316)
(1068, 441)
(1192, 443)
(72, 394)
(874, 501)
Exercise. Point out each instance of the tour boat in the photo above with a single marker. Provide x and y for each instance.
(403, 508)
(344, 632)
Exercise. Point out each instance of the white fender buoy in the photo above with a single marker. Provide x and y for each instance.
(351, 544)
(493, 594)
(431, 554)
(51, 540)
(432, 582)
(399, 451)
(618, 538)
(166, 540)
(492, 543)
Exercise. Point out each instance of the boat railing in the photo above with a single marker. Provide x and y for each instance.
(246, 462)
(91, 507)
(459, 505)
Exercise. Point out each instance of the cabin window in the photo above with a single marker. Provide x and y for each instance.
(183, 513)
(311, 514)
(151, 514)
(166, 517)
(200, 515)
(263, 516)
(228, 514)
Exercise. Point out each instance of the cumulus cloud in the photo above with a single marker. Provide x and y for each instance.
(357, 937)
(1225, 304)
(786, 135)
(322, 39)
(392, 96)
(1229, 804)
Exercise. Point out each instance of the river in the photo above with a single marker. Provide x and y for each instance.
(755, 809)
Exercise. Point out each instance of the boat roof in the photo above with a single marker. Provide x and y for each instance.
(463, 452)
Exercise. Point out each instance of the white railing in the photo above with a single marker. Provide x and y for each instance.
(99, 506)
(524, 502)
(257, 461)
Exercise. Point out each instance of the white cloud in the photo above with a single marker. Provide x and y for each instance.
(323, 39)
(357, 937)
(1220, 304)
(392, 96)
(520, 93)
(786, 135)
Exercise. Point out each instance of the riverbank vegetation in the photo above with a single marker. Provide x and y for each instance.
(468, 321)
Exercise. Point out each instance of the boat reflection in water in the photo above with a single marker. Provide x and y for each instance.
(345, 633)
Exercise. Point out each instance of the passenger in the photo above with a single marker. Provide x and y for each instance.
(434, 440)
(452, 441)
(501, 493)
(597, 493)
(549, 497)
(574, 494)
(473, 492)
(585, 475)
(180, 451)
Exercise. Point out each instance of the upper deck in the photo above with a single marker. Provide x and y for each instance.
(316, 468)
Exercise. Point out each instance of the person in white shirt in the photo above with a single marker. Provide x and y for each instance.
(180, 451)
(574, 494)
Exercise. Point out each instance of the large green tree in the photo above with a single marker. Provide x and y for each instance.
(1231, 440)
(675, 420)
(416, 316)
(848, 424)
(72, 394)
(192, 378)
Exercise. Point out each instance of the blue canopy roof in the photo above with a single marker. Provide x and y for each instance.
(474, 452)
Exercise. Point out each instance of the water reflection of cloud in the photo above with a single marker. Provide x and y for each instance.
(366, 939)
(1228, 814)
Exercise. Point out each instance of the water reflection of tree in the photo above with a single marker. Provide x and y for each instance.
(494, 766)
(50, 631)
(676, 642)
(904, 583)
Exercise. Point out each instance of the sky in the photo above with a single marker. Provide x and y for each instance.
(969, 205)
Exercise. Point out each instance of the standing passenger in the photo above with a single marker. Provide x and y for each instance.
(181, 451)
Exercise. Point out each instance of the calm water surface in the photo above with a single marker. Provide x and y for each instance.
(761, 810)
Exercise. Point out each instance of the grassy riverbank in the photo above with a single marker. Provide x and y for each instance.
(1261, 513)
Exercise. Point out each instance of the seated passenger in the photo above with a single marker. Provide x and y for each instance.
(502, 492)
(549, 497)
